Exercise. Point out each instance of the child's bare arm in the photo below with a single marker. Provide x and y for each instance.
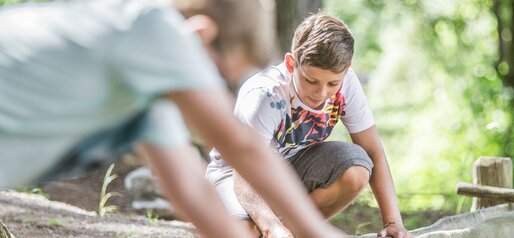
(381, 181)
(262, 215)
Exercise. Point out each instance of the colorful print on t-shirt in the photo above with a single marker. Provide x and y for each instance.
(302, 127)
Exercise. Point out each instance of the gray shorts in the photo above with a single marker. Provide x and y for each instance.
(318, 166)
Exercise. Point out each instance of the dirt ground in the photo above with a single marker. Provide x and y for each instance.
(29, 215)
(85, 192)
(35, 220)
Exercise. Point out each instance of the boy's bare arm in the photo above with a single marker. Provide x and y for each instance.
(381, 181)
(180, 176)
(261, 214)
(210, 113)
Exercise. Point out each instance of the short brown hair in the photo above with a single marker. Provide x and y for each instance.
(247, 25)
(323, 41)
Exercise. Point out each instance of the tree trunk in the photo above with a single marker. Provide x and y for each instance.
(289, 14)
(505, 29)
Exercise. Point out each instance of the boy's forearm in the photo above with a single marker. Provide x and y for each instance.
(261, 214)
(383, 188)
(263, 174)
(381, 180)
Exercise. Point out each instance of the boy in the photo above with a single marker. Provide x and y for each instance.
(294, 106)
(70, 71)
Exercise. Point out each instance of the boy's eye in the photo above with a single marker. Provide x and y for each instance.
(333, 84)
(310, 82)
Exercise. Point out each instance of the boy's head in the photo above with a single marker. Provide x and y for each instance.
(321, 54)
(239, 35)
(324, 42)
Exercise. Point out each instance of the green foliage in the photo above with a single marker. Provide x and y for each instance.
(104, 197)
(10, 2)
(438, 101)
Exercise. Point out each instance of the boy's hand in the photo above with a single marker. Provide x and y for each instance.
(395, 231)
(278, 231)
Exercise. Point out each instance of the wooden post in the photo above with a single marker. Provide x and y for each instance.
(491, 171)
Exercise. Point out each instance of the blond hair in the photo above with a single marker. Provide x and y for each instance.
(246, 25)
(323, 41)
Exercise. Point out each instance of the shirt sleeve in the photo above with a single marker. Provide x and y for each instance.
(357, 116)
(164, 126)
(261, 109)
(158, 54)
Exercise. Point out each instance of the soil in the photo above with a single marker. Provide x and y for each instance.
(75, 213)
(30, 215)
(39, 219)
(84, 192)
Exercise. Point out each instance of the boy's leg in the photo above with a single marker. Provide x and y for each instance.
(342, 192)
(223, 180)
(334, 173)
(183, 183)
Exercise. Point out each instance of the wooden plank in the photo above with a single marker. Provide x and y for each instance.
(483, 191)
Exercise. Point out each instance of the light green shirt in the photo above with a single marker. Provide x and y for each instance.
(72, 69)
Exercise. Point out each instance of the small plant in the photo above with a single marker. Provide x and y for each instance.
(126, 234)
(154, 221)
(26, 218)
(38, 191)
(56, 222)
(104, 197)
(4, 233)
(358, 229)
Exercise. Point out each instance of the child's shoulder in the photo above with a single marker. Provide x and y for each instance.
(350, 82)
(270, 80)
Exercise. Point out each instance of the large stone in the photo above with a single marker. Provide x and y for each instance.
(493, 222)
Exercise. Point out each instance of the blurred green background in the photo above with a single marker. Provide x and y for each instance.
(438, 75)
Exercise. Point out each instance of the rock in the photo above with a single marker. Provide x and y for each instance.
(497, 221)
(141, 184)
(29, 215)
(146, 194)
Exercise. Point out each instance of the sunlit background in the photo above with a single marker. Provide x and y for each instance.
(439, 91)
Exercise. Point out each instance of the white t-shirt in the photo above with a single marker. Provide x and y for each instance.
(69, 70)
(268, 103)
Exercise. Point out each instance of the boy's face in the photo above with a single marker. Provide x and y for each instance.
(232, 62)
(315, 85)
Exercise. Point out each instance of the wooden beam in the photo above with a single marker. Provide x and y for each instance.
(483, 191)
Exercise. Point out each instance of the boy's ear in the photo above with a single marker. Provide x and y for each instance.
(289, 62)
(205, 27)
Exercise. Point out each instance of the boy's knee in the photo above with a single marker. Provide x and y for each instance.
(250, 226)
(355, 179)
